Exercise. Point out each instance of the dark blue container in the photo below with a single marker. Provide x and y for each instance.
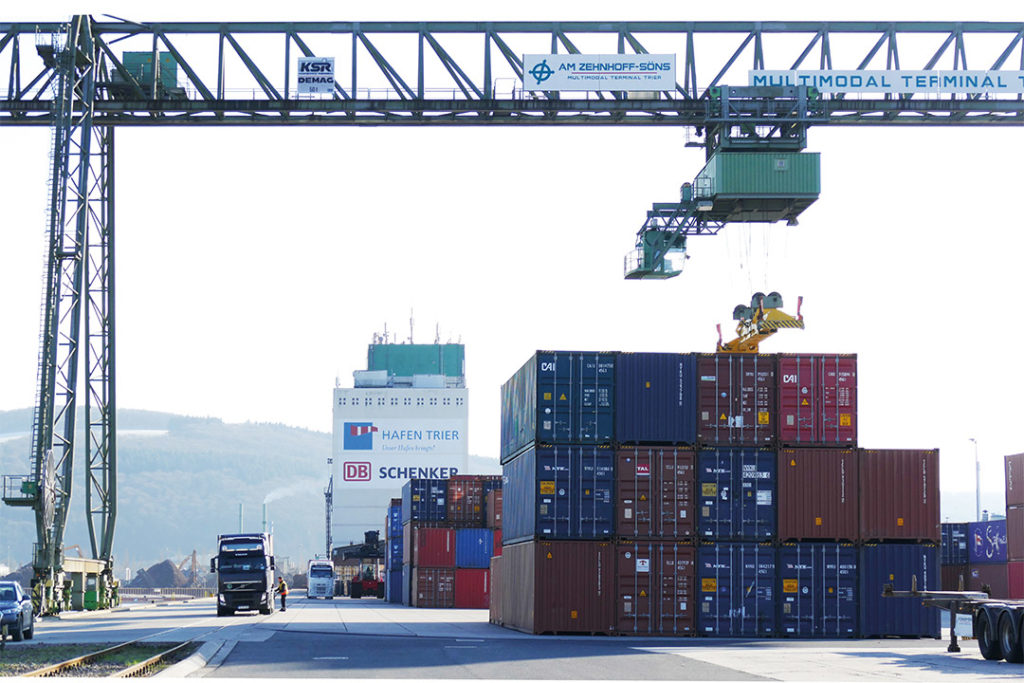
(559, 492)
(818, 596)
(954, 543)
(394, 556)
(394, 585)
(473, 548)
(986, 542)
(737, 589)
(656, 398)
(425, 500)
(896, 564)
(736, 489)
(407, 584)
(395, 520)
(491, 484)
(559, 397)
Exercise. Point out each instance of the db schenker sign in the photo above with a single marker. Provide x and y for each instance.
(316, 75)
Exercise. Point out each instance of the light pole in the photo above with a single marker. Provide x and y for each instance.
(977, 481)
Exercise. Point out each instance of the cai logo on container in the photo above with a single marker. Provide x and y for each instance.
(359, 436)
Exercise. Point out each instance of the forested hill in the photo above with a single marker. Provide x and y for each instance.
(181, 481)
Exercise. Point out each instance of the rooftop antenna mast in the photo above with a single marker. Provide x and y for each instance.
(410, 325)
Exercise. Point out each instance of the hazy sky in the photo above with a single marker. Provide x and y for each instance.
(254, 265)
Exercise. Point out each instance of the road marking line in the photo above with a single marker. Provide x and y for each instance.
(330, 658)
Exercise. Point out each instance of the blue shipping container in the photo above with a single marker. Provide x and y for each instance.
(394, 586)
(394, 556)
(407, 584)
(896, 564)
(559, 397)
(954, 543)
(473, 548)
(736, 488)
(394, 521)
(559, 492)
(987, 542)
(819, 590)
(737, 589)
(656, 398)
(425, 499)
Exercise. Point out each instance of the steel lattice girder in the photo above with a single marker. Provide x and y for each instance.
(459, 73)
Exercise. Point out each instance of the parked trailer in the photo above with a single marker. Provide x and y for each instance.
(998, 625)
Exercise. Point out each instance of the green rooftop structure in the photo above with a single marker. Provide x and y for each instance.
(408, 360)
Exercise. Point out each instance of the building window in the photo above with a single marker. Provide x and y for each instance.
(419, 401)
(394, 401)
(458, 401)
(380, 401)
(367, 401)
(446, 401)
(433, 401)
(408, 401)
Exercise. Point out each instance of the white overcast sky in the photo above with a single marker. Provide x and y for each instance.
(253, 265)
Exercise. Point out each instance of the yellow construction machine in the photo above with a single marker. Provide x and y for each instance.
(758, 321)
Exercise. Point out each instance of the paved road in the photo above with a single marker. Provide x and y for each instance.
(346, 638)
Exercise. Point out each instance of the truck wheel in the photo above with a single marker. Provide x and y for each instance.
(31, 629)
(1010, 641)
(19, 630)
(988, 642)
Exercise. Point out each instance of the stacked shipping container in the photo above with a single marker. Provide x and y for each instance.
(731, 496)
(1014, 471)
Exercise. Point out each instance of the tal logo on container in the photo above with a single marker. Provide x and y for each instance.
(358, 436)
(355, 471)
(643, 469)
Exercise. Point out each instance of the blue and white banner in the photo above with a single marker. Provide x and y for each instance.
(599, 72)
(894, 82)
(316, 75)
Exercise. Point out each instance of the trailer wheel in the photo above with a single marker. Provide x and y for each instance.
(1010, 641)
(988, 641)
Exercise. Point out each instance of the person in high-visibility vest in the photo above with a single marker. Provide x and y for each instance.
(282, 590)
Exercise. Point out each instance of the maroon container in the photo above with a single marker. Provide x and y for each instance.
(433, 547)
(736, 399)
(950, 576)
(558, 587)
(817, 400)
(1014, 470)
(466, 500)
(899, 495)
(654, 492)
(1015, 577)
(818, 496)
(1015, 533)
(472, 588)
(493, 505)
(409, 537)
(433, 587)
(494, 610)
(993, 575)
(654, 588)
(497, 543)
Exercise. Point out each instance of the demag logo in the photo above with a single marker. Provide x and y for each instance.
(358, 436)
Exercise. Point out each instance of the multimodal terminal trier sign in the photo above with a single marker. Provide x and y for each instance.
(599, 72)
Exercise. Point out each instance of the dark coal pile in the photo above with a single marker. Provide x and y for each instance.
(161, 575)
(22, 575)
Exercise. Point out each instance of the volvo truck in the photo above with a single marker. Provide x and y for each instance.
(245, 573)
(320, 579)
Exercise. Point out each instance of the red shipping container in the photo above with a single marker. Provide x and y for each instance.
(1015, 533)
(1014, 470)
(995, 576)
(817, 400)
(558, 587)
(654, 492)
(466, 500)
(433, 547)
(497, 543)
(1015, 578)
(409, 536)
(950, 575)
(899, 495)
(494, 610)
(433, 587)
(818, 496)
(493, 505)
(472, 588)
(736, 399)
(654, 588)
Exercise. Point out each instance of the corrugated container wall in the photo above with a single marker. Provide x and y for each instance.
(991, 578)
(896, 564)
(1015, 533)
(899, 497)
(952, 574)
(473, 588)
(425, 499)
(1013, 466)
(737, 589)
(655, 592)
(954, 543)
(395, 518)
(407, 584)
(473, 548)
(394, 585)
(818, 494)
(496, 589)
(409, 537)
(655, 398)
(818, 400)
(986, 542)
(819, 590)
(466, 500)
(433, 587)
(1015, 577)
(736, 494)
(736, 399)
(559, 492)
(654, 496)
(558, 587)
(559, 397)
(433, 548)
(493, 505)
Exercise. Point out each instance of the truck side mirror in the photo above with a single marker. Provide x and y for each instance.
(213, 565)
(272, 565)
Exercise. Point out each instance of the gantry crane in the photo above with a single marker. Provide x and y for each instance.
(86, 77)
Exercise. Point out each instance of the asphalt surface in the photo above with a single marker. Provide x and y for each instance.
(370, 639)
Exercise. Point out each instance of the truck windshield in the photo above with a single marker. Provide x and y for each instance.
(242, 547)
(321, 572)
(242, 564)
